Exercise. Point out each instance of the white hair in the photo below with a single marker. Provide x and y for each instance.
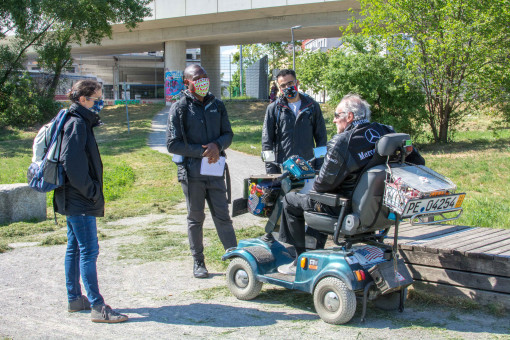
(357, 105)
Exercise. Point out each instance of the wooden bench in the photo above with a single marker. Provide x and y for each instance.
(458, 261)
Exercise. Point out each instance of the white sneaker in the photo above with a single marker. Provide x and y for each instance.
(288, 269)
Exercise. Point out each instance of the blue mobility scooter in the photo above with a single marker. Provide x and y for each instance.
(360, 264)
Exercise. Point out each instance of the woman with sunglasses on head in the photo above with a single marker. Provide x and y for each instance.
(81, 200)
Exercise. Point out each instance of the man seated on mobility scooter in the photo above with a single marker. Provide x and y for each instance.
(365, 186)
(349, 152)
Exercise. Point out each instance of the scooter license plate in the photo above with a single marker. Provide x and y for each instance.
(433, 205)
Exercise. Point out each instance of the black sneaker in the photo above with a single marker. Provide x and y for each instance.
(105, 313)
(199, 269)
(81, 303)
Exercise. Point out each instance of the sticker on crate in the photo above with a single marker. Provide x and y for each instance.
(262, 199)
(369, 255)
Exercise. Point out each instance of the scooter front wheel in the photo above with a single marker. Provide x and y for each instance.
(334, 301)
(241, 280)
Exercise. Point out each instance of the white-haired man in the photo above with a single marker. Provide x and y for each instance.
(348, 152)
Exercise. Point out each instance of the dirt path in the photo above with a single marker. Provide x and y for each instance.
(163, 300)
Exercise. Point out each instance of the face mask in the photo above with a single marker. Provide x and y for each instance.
(201, 86)
(290, 92)
(97, 107)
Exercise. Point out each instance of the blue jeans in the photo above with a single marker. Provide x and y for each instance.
(81, 257)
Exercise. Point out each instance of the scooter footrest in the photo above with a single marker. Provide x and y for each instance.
(262, 255)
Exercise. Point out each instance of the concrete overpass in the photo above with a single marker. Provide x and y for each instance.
(208, 24)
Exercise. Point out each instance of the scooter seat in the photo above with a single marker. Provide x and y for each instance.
(321, 222)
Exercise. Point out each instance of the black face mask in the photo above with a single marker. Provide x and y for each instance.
(290, 92)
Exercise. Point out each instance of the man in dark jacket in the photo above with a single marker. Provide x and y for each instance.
(198, 133)
(293, 124)
(348, 152)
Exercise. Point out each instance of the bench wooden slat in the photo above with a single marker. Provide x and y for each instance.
(487, 240)
(473, 264)
(463, 241)
(460, 278)
(479, 296)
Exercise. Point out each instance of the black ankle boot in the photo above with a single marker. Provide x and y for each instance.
(199, 269)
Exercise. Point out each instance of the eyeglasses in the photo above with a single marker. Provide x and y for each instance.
(94, 98)
(339, 114)
(289, 84)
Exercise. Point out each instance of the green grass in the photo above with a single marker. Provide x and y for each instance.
(213, 249)
(157, 245)
(137, 179)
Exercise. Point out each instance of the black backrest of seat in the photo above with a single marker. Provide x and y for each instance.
(390, 143)
(367, 200)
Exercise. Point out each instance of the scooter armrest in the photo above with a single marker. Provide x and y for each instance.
(329, 199)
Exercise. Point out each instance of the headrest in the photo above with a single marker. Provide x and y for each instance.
(390, 143)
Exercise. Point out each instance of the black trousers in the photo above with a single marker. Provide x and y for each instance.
(292, 224)
(197, 191)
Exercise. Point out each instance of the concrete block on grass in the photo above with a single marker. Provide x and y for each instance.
(18, 202)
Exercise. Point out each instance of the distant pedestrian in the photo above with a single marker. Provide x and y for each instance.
(81, 199)
(273, 93)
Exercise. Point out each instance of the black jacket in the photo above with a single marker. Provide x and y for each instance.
(348, 153)
(289, 135)
(82, 192)
(203, 123)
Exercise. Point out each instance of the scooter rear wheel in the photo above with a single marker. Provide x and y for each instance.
(334, 301)
(241, 280)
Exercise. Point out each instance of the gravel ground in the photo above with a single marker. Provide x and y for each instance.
(163, 300)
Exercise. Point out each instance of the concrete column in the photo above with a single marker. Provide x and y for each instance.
(210, 61)
(175, 63)
(116, 79)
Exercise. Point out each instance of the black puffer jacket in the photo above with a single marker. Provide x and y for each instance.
(82, 192)
(348, 153)
(289, 135)
(203, 123)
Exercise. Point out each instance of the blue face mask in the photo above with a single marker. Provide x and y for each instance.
(97, 107)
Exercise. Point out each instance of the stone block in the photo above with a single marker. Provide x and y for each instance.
(18, 202)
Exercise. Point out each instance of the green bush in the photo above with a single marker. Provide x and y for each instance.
(22, 105)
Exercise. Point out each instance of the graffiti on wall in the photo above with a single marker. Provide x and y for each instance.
(173, 85)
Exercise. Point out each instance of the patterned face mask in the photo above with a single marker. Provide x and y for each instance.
(97, 107)
(290, 92)
(201, 86)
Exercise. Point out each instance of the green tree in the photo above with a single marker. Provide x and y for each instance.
(360, 66)
(457, 50)
(310, 68)
(51, 26)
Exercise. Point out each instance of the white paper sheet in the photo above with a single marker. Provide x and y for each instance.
(214, 169)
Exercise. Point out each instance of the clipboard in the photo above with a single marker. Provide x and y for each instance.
(214, 169)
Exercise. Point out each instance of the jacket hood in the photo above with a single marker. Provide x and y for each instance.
(88, 116)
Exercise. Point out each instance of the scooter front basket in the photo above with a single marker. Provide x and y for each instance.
(262, 197)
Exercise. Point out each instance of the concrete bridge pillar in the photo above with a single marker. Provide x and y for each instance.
(210, 61)
(175, 63)
(116, 80)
